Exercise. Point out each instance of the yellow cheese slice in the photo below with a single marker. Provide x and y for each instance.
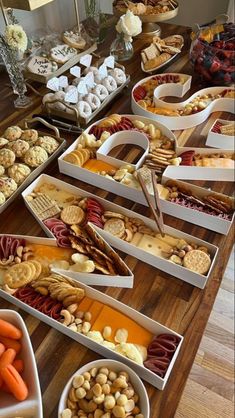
(116, 320)
(96, 166)
(153, 245)
(136, 238)
(167, 239)
(85, 304)
(95, 309)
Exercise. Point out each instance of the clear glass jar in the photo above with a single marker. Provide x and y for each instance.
(121, 49)
(93, 15)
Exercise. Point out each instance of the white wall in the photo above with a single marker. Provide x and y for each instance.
(59, 15)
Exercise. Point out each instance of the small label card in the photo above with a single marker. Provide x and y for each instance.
(63, 81)
(86, 60)
(109, 61)
(76, 71)
(81, 87)
(103, 72)
(89, 80)
(71, 96)
(53, 84)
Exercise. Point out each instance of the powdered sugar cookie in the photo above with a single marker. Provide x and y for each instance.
(118, 75)
(74, 39)
(19, 147)
(101, 92)
(84, 109)
(7, 157)
(110, 83)
(93, 101)
(62, 53)
(18, 172)
(48, 143)
(42, 66)
(2, 198)
(35, 156)
(12, 133)
(3, 142)
(30, 135)
(7, 186)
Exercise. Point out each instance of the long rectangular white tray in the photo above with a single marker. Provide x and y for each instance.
(154, 327)
(181, 272)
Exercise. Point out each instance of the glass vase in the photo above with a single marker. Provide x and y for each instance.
(93, 17)
(9, 57)
(121, 49)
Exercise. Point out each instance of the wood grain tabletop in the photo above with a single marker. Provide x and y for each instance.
(170, 301)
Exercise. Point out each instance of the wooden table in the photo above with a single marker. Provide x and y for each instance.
(170, 301)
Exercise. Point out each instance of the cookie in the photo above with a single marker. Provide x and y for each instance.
(18, 172)
(197, 261)
(47, 143)
(72, 215)
(2, 198)
(19, 147)
(29, 135)
(73, 39)
(115, 227)
(7, 186)
(3, 142)
(62, 53)
(35, 156)
(12, 133)
(110, 214)
(41, 65)
(7, 157)
(2, 170)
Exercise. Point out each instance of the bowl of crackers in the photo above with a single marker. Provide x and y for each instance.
(149, 11)
(160, 52)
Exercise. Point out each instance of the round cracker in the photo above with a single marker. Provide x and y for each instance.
(18, 275)
(72, 158)
(115, 226)
(72, 215)
(197, 261)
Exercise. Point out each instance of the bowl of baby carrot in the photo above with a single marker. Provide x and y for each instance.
(20, 394)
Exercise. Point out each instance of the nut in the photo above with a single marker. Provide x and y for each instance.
(80, 393)
(109, 402)
(78, 381)
(99, 399)
(97, 389)
(73, 327)
(112, 376)
(98, 413)
(176, 259)
(71, 405)
(125, 374)
(122, 400)
(17, 260)
(120, 383)
(129, 406)
(79, 314)
(87, 316)
(93, 372)
(67, 317)
(87, 376)
(86, 385)
(129, 392)
(106, 389)
(104, 370)
(101, 378)
(72, 308)
(19, 251)
(67, 413)
(86, 326)
(72, 395)
(119, 411)
(27, 255)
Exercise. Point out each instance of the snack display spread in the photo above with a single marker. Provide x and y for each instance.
(103, 84)
(63, 300)
(224, 129)
(103, 391)
(145, 8)
(88, 144)
(132, 230)
(22, 151)
(214, 205)
(160, 51)
(143, 94)
(213, 53)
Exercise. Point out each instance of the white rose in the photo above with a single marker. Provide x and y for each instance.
(130, 25)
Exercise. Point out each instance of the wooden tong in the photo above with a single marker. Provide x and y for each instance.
(157, 213)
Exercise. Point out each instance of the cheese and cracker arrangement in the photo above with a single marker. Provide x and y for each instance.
(147, 7)
(160, 52)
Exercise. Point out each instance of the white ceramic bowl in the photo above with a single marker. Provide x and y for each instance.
(115, 366)
(32, 406)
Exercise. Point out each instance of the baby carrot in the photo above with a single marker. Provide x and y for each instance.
(2, 349)
(7, 358)
(10, 331)
(15, 382)
(9, 343)
(19, 365)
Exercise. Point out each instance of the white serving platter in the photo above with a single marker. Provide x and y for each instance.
(37, 171)
(175, 270)
(154, 327)
(218, 140)
(91, 279)
(179, 90)
(115, 366)
(214, 223)
(32, 406)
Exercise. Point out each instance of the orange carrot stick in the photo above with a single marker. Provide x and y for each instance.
(19, 365)
(7, 358)
(10, 331)
(15, 382)
(9, 343)
(2, 349)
